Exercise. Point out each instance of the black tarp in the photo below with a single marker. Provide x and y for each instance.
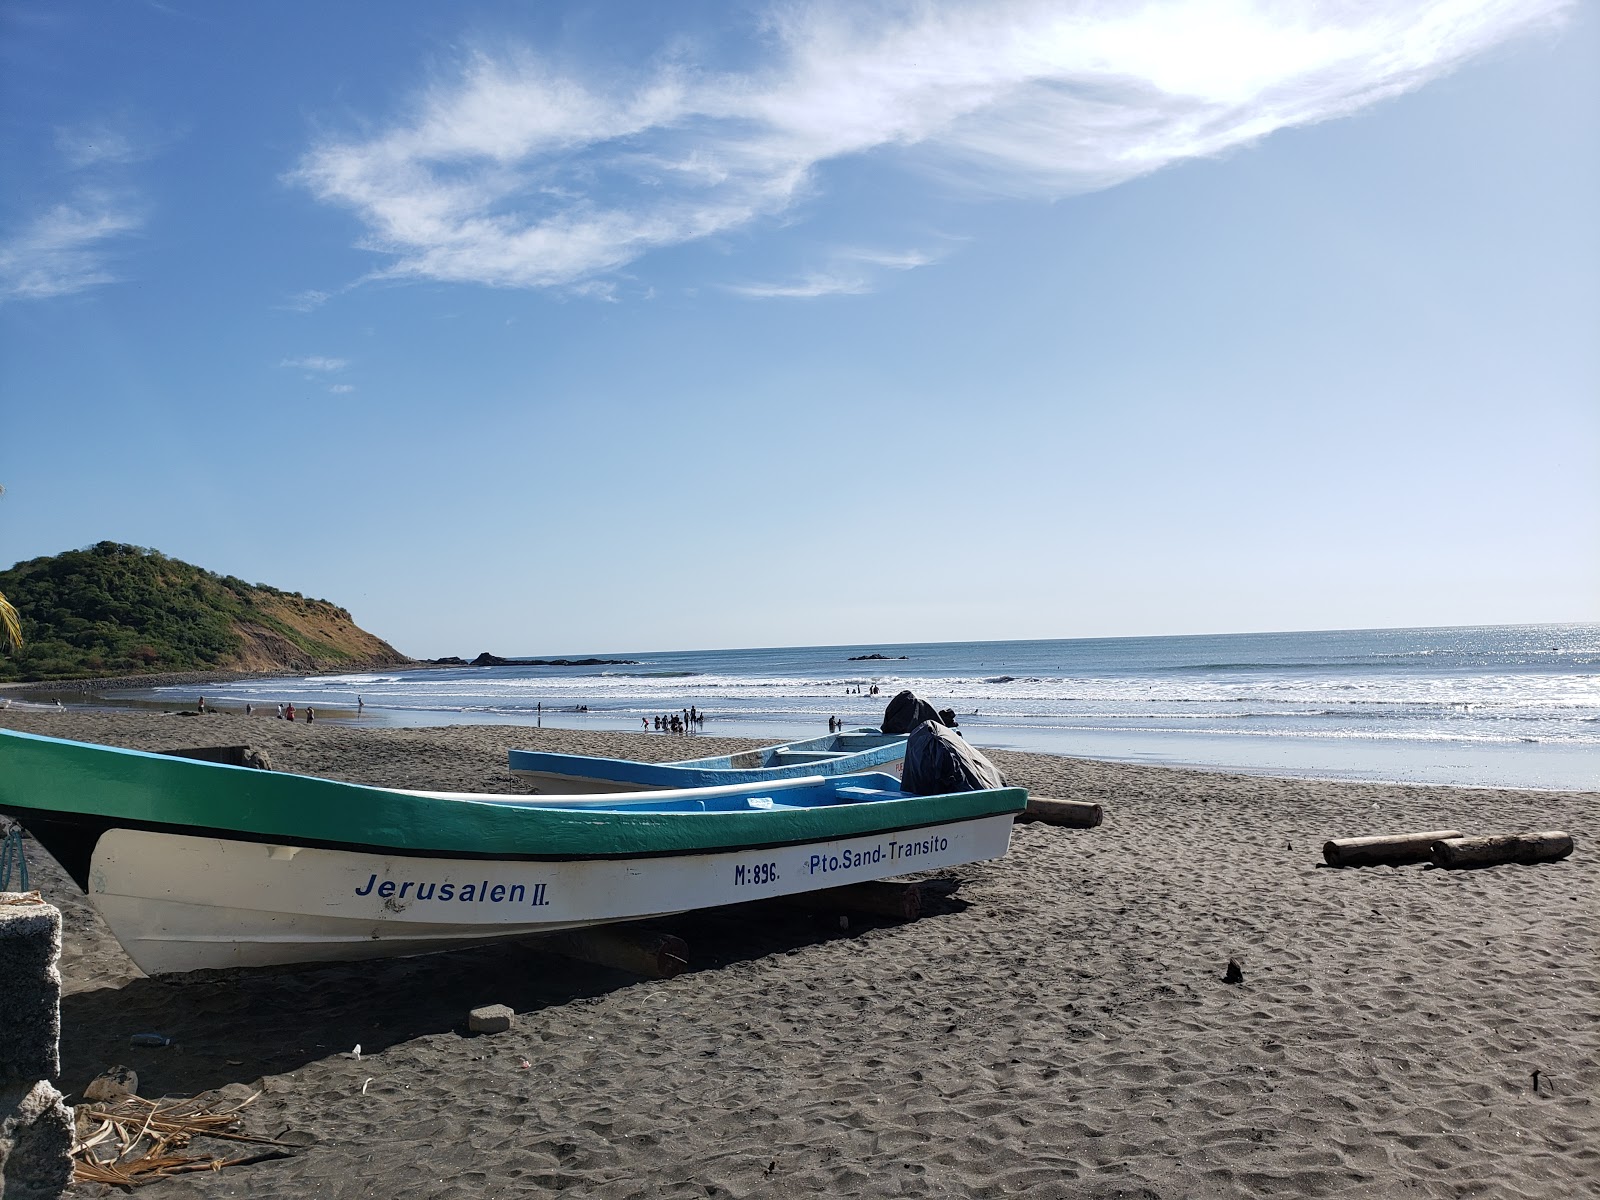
(939, 760)
(905, 712)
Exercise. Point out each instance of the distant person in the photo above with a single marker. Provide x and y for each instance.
(288, 713)
(311, 715)
(645, 721)
(360, 703)
(280, 712)
(249, 710)
(202, 705)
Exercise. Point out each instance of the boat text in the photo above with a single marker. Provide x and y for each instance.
(893, 850)
(758, 873)
(466, 893)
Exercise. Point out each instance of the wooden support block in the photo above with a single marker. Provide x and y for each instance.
(1073, 814)
(1384, 849)
(642, 951)
(1546, 846)
(880, 897)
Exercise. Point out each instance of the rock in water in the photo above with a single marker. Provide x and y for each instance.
(1235, 973)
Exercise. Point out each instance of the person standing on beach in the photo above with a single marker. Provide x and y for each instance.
(360, 703)
(289, 712)
(280, 712)
(311, 715)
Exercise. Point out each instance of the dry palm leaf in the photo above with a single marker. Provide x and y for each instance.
(133, 1141)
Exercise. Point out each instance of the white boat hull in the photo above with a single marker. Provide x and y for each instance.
(183, 903)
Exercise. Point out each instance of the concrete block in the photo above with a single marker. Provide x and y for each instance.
(30, 990)
(491, 1018)
(35, 1142)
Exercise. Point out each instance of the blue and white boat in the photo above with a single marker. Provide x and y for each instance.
(848, 752)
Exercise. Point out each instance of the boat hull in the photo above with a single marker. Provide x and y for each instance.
(178, 902)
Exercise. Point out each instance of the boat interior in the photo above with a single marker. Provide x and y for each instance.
(812, 791)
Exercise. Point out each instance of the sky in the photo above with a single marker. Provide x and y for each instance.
(574, 328)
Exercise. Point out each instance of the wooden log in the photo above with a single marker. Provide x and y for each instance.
(879, 897)
(1384, 849)
(1546, 846)
(641, 951)
(1073, 814)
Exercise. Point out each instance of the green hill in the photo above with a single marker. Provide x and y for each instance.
(126, 610)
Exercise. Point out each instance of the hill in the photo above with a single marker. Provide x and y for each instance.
(125, 610)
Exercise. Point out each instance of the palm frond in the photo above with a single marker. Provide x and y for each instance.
(10, 625)
(10, 622)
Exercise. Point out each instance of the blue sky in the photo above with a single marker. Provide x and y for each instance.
(572, 328)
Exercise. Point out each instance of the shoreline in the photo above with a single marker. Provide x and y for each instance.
(376, 716)
(1056, 1026)
(129, 683)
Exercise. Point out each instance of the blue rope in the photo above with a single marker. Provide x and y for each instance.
(11, 852)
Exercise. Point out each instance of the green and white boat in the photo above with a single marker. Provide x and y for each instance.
(201, 865)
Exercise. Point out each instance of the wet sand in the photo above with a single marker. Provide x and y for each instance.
(1057, 1026)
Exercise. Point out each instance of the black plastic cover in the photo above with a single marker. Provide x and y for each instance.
(939, 760)
(905, 712)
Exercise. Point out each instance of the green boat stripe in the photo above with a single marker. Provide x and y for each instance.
(93, 826)
(131, 787)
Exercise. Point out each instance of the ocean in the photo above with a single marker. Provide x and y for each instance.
(1496, 706)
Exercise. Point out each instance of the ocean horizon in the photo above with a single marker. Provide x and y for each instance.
(1491, 706)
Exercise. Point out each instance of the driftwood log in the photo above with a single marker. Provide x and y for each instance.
(1385, 849)
(642, 951)
(879, 897)
(1546, 846)
(1074, 814)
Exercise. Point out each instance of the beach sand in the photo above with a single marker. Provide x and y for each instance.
(1057, 1027)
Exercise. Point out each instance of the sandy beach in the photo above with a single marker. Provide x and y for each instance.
(1057, 1026)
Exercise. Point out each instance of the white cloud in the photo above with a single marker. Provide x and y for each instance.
(316, 362)
(340, 389)
(518, 174)
(819, 284)
(848, 276)
(64, 250)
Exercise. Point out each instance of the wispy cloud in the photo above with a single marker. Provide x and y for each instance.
(516, 173)
(307, 301)
(340, 389)
(64, 250)
(92, 145)
(850, 274)
(316, 362)
(69, 246)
